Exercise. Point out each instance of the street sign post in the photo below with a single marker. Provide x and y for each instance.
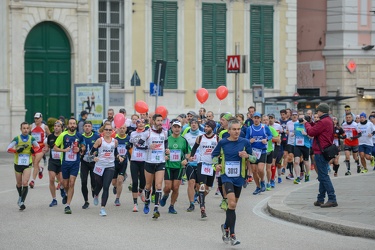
(135, 82)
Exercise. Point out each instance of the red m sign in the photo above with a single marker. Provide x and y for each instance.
(234, 64)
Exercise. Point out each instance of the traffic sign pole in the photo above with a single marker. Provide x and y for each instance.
(237, 82)
(135, 94)
(157, 86)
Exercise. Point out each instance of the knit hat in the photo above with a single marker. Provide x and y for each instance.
(211, 123)
(363, 114)
(323, 107)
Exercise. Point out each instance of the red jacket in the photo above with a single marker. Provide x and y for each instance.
(323, 131)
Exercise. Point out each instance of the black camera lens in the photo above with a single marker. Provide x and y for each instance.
(307, 118)
(300, 120)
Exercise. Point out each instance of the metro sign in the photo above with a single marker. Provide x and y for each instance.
(236, 64)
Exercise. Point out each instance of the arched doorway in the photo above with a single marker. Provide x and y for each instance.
(47, 72)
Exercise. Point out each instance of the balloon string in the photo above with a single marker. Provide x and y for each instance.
(219, 107)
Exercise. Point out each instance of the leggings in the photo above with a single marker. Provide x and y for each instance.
(103, 182)
(137, 170)
(86, 168)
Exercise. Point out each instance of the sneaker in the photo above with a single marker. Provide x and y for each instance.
(335, 174)
(225, 232)
(307, 178)
(64, 199)
(348, 173)
(163, 201)
(19, 201)
(130, 187)
(203, 213)
(135, 208)
(103, 212)
(372, 161)
(290, 177)
(142, 196)
(96, 200)
(22, 206)
(364, 170)
(146, 209)
(53, 203)
(58, 185)
(257, 191)
(272, 183)
(171, 210)
(114, 190)
(117, 202)
(301, 176)
(67, 210)
(262, 186)
(86, 205)
(196, 198)
(224, 204)
(268, 187)
(312, 167)
(182, 182)
(31, 184)
(297, 181)
(190, 208)
(250, 179)
(153, 198)
(279, 180)
(218, 191)
(373, 169)
(156, 214)
(283, 171)
(40, 175)
(233, 240)
(358, 169)
(329, 169)
(245, 184)
(62, 193)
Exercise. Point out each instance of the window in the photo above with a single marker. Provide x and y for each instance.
(164, 39)
(261, 45)
(213, 45)
(111, 47)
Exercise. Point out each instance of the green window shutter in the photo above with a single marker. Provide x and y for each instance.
(261, 45)
(164, 39)
(213, 45)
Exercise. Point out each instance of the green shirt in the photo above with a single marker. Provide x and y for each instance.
(270, 145)
(178, 148)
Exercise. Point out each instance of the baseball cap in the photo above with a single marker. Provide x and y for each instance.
(271, 115)
(176, 123)
(257, 114)
(182, 115)
(227, 116)
(84, 112)
(192, 113)
(294, 112)
(38, 115)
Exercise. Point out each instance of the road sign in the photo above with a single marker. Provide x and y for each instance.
(135, 81)
(154, 88)
(236, 64)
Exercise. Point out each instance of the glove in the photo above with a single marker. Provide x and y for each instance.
(32, 151)
(128, 146)
(252, 158)
(21, 148)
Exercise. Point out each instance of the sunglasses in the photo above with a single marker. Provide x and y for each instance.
(107, 129)
(347, 109)
(140, 121)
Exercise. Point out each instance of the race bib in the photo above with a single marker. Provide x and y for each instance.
(207, 169)
(300, 141)
(55, 155)
(233, 168)
(156, 155)
(138, 155)
(336, 142)
(98, 170)
(349, 134)
(70, 156)
(37, 136)
(121, 149)
(175, 155)
(257, 152)
(23, 159)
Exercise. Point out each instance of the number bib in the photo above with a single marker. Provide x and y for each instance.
(23, 159)
(336, 142)
(138, 154)
(233, 168)
(257, 152)
(349, 133)
(98, 170)
(121, 149)
(70, 156)
(55, 155)
(156, 155)
(207, 169)
(175, 155)
(37, 136)
(300, 141)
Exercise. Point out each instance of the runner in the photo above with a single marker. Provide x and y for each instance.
(350, 128)
(339, 133)
(277, 152)
(233, 171)
(70, 142)
(21, 146)
(39, 131)
(291, 143)
(365, 141)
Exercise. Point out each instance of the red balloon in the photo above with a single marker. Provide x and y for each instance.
(141, 107)
(222, 92)
(119, 120)
(202, 95)
(161, 110)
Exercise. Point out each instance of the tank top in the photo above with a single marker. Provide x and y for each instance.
(156, 155)
(206, 146)
(106, 154)
(137, 154)
(39, 133)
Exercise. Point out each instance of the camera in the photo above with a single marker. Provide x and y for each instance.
(300, 120)
(307, 118)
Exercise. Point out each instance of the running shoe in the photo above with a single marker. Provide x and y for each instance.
(372, 161)
(53, 203)
(329, 169)
(348, 173)
(31, 184)
(117, 202)
(307, 178)
(142, 196)
(218, 191)
(364, 170)
(358, 169)
(156, 214)
(224, 204)
(262, 186)
(125, 177)
(67, 210)
(22, 206)
(257, 191)
(297, 181)
(103, 212)
(163, 200)
(40, 175)
(279, 180)
(19, 201)
(196, 197)
(250, 179)
(130, 187)
(146, 209)
(268, 187)
(233, 240)
(312, 167)
(290, 177)
(272, 183)
(171, 210)
(135, 208)
(58, 185)
(225, 232)
(190, 208)
(373, 169)
(64, 199)
(86, 205)
(96, 200)
(245, 184)
(301, 176)
(203, 213)
(153, 198)
(282, 171)
(114, 190)
(62, 193)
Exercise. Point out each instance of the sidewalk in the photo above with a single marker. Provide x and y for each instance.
(354, 216)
